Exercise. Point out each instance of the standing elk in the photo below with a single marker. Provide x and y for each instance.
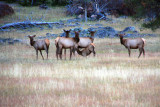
(67, 43)
(39, 45)
(67, 36)
(137, 43)
(87, 51)
(86, 41)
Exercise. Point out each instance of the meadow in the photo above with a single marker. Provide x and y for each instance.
(109, 79)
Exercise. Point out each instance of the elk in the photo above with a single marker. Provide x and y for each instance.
(137, 43)
(67, 43)
(85, 41)
(87, 51)
(39, 45)
(67, 36)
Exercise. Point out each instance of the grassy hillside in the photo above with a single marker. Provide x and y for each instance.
(109, 79)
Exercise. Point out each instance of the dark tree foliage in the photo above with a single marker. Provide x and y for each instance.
(38, 2)
(146, 9)
(59, 2)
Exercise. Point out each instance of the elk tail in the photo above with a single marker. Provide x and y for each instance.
(144, 41)
(47, 42)
(93, 44)
(56, 40)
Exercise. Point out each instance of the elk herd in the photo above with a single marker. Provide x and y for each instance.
(84, 46)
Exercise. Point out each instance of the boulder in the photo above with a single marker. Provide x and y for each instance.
(10, 41)
(5, 9)
(130, 29)
(43, 6)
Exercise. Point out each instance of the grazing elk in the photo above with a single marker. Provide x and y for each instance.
(67, 36)
(87, 51)
(137, 43)
(39, 45)
(67, 43)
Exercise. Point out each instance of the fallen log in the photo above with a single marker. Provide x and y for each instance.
(28, 24)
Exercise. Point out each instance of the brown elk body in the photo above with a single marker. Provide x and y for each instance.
(87, 51)
(67, 43)
(86, 41)
(40, 45)
(67, 36)
(137, 43)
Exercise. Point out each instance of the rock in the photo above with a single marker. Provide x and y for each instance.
(17, 41)
(92, 29)
(105, 32)
(130, 29)
(5, 9)
(43, 6)
(10, 41)
(73, 20)
(49, 35)
(78, 29)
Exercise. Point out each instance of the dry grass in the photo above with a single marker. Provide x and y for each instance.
(35, 14)
(109, 79)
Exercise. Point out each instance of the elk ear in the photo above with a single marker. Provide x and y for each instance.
(34, 35)
(29, 36)
(79, 31)
(64, 30)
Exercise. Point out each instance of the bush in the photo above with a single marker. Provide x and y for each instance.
(5, 9)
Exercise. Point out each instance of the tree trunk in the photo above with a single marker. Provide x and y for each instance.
(32, 2)
(85, 12)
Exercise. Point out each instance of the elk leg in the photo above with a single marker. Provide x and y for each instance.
(140, 52)
(41, 54)
(65, 53)
(60, 55)
(60, 51)
(94, 53)
(143, 52)
(37, 53)
(71, 49)
(129, 52)
(57, 53)
(46, 49)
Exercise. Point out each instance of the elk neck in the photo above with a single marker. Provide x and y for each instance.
(76, 38)
(32, 42)
(122, 40)
(67, 35)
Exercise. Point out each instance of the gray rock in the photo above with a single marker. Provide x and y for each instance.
(73, 20)
(49, 35)
(130, 29)
(105, 32)
(10, 41)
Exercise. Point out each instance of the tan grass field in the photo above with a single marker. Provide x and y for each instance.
(109, 79)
